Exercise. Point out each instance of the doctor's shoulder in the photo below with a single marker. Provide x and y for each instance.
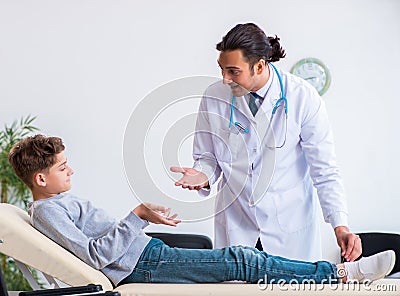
(300, 91)
(302, 97)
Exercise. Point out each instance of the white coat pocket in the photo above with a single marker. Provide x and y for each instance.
(295, 208)
(225, 144)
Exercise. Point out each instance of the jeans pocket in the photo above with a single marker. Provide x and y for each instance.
(139, 276)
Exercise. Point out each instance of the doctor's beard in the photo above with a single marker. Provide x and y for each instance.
(238, 90)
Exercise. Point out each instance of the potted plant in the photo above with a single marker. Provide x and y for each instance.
(13, 191)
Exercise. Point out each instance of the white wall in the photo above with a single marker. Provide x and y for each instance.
(82, 66)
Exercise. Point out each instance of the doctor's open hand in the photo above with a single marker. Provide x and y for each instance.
(192, 179)
(156, 214)
(349, 243)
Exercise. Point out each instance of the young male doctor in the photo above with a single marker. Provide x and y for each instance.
(266, 133)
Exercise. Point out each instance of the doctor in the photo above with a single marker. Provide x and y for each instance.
(266, 133)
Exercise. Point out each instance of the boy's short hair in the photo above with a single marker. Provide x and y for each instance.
(34, 154)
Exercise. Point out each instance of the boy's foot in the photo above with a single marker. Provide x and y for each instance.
(370, 268)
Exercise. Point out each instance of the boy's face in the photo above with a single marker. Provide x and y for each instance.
(58, 178)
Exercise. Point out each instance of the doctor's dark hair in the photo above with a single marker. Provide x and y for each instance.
(253, 43)
(34, 154)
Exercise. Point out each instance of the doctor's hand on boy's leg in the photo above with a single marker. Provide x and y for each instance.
(349, 243)
(156, 214)
(192, 178)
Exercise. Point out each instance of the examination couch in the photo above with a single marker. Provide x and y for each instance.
(19, 240)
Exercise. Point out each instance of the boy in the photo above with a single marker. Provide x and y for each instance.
(125, 254)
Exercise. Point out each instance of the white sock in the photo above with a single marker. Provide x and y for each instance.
(371, 268)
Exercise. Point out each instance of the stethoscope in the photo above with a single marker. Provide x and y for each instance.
(282, 100)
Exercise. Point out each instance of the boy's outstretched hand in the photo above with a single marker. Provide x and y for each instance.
(156, 214)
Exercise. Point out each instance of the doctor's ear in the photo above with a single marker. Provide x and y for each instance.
(39, 179)
(259, 67)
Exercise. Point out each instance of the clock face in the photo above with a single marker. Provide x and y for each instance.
(313, 71)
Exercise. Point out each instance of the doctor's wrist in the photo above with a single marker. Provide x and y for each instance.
(341, 229)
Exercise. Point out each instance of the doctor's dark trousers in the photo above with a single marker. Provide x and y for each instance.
(161, 264)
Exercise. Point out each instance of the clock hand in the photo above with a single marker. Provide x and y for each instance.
(308, 78)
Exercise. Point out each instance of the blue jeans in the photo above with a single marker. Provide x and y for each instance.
(162, 264)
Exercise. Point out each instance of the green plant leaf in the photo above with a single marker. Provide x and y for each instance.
(14, 191)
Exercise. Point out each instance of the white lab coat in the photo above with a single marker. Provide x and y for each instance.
(284, 216)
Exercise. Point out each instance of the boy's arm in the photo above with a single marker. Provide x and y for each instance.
(55, 223)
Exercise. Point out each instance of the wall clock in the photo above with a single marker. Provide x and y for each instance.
(315, 72)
